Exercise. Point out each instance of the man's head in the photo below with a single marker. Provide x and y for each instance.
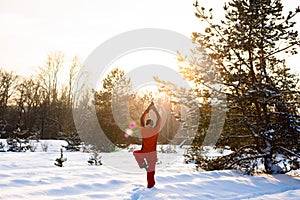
(149, 122)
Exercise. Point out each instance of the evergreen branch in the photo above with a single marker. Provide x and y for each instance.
(289, 151)
(221, 35)
(247, 158)
(280, 50)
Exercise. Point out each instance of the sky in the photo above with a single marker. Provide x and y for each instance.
(32, 29)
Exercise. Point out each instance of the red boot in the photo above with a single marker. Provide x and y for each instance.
(150, 179)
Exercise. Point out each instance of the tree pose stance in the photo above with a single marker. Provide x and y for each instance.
(147, 156)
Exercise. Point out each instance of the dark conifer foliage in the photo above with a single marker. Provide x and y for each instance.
(245, 52)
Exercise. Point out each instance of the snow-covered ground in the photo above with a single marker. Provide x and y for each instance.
(33, 175)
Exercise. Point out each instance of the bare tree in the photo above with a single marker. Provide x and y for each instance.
(76, 64)
(28, 99)
(8, 82)
(48, 76)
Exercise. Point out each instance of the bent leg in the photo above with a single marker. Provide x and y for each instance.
(151, 159)
(139, 157)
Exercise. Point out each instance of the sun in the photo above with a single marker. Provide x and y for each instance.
(151, 90)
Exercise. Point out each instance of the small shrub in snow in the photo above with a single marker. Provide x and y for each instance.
(87, 148)
(2, 147)
(95, 158)
(74, 142)
(131, 148)
(32, 146)
(44, 146)
(17, 144)
(168, 149)
(59, 161)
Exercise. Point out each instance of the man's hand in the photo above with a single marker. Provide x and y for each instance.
(152, 106)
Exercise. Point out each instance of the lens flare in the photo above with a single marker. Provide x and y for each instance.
(128, 132)
(132, 125)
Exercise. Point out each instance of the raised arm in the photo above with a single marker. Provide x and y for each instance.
(158, 117)
(143, 117)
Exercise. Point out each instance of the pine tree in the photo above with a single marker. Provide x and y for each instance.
(115, 91)
(245, 53)
(59, 161)
(95, 158)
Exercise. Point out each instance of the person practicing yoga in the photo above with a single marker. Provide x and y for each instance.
(147, 156)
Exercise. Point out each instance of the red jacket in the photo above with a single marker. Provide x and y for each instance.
(150, 136)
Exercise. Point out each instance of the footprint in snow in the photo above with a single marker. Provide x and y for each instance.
(137, 187)
(139, 191)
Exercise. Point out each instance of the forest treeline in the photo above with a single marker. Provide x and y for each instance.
(39, 105)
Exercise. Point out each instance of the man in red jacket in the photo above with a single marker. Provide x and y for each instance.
(147, 156)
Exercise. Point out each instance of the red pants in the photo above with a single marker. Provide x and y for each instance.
(151, 158)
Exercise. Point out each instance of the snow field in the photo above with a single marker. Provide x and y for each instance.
(33, 175)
